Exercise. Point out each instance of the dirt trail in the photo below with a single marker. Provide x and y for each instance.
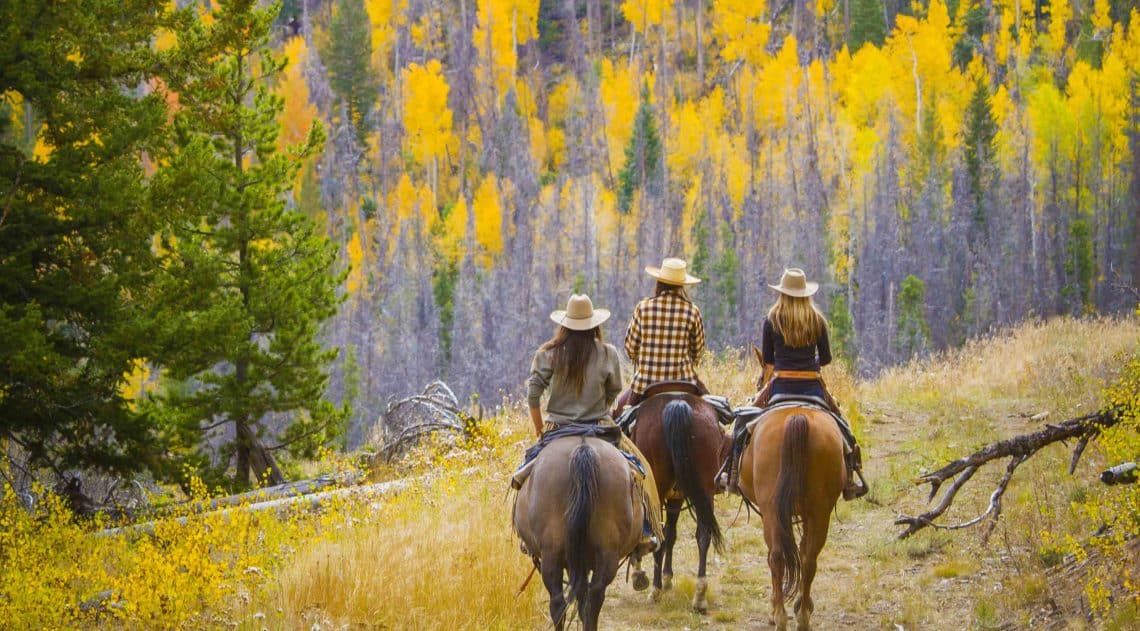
(866, 579)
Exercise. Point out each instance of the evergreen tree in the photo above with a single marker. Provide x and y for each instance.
(868, 24)
(913, 333)
(842, 327)
(348, 56)
(1080, 266)
(981, 128)
(247, 280)
(642, 168)
(74, 248)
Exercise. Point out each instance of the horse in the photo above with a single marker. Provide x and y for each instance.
(577, 512)
(681, 439)
(794, 467)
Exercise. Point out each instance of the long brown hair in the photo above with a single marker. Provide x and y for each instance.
(663, 287)
(572, 352)
(797, 320)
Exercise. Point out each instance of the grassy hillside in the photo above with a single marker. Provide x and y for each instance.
(442, 554)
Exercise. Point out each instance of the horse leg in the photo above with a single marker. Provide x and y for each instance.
(663, 557)
(779, 615)
(552, 579)
(591, 609)
(815, 535)
(700, 602)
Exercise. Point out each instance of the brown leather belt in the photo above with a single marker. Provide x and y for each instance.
(795, 374)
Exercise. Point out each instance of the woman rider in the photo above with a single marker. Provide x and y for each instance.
(582, 374)
(794, 346)
(666, 335)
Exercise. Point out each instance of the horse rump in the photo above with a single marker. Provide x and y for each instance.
(677, 419)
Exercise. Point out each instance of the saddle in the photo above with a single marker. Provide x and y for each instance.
(749, 416)
(609, 433)
(627, 420)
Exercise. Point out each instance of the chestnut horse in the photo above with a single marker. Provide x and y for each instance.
(685, 446)
(794, 467)
(577, 512)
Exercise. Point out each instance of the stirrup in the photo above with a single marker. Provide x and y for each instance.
(856, 485)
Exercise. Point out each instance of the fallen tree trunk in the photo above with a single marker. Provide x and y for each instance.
(1018, 449)
(289, 489)
(311, 501)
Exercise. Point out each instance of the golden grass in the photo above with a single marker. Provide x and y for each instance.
(443, 557)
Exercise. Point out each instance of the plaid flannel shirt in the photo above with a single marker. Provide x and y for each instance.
(664, 340)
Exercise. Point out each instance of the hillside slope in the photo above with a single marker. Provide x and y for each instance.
(913, 418)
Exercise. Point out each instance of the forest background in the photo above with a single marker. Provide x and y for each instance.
(426, 179)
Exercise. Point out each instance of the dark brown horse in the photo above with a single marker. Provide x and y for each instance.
(794, 468)
(577, 514)
(685, 446)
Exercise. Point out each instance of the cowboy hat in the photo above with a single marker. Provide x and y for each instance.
(580, 314)
(672, 272)
(795, 283)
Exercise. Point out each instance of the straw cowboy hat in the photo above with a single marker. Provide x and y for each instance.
(580, 314)
(795, 283)
(672, 272)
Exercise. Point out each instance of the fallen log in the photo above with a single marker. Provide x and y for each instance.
(1018, 449)
(289, 489)
(311, 501)
(408, 420)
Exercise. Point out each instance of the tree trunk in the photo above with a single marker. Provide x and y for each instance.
(1133, 207)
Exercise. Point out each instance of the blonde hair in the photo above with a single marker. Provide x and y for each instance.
(798, 320)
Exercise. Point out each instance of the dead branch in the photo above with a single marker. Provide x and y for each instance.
(1018, 449)
(408, 420)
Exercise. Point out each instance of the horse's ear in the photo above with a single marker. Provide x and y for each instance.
(758, 354)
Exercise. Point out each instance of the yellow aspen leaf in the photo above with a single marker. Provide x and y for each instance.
(644, 14)
(740, 29)
(299, 113)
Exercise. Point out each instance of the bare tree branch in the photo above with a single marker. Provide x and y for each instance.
(1018, 449)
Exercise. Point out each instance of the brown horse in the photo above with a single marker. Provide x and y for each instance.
(794, 468)
(685, 446)
(577, 512)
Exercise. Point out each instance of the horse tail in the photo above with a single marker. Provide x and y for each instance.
(789, 490)
(678, 422)
(584, 474)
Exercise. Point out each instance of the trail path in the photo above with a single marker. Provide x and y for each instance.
(866, 578)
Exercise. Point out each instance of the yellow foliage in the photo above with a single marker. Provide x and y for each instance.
(741, 29)
(488, 210)
(385, 16)
(643, 14)
(356, 275)
(137, 383)
(452, 235)
(619, 93)
(503, 25)
(427, 118)
(777, 90)
(299, 113)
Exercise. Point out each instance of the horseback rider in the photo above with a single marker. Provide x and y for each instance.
(794, 347)
(666, 335)
(582, 375)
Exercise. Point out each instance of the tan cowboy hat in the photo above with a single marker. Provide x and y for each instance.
(795, 283)
(580, 314)
(672, 272)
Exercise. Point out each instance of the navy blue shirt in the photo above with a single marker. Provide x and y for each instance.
(784, 357)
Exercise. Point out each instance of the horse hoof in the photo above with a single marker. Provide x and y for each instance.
(640, 581)
(700, 602)
(666, 582)
(655, 595)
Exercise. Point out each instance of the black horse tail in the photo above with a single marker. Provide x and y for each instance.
(678, 421)
(789, 490)
(584, 474)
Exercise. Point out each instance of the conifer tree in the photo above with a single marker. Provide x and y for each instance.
(349, 59)
(247, 280)
(642, 155)
(980, 132)
(868, 24)
(913, 333)
(74, 248)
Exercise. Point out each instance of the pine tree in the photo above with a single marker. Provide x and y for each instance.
(348, 56)
(868, 24)
(981, 130)
(642, 155)
(913, 333)
(74, 248)
(248, 281)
